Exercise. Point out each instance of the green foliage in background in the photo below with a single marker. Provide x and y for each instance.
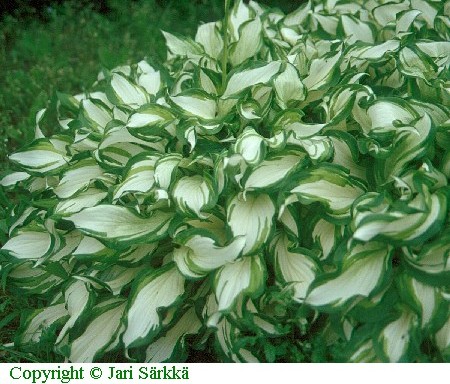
(277, 190)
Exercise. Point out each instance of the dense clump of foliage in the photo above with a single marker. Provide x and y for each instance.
(276, 191)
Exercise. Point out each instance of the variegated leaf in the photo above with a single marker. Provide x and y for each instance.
(100, 333)
(165, 286)
(41, 157)
(200, 254)
(173, 342)
(119, 224)
(364, 270)
(243, 277)
(251, 217)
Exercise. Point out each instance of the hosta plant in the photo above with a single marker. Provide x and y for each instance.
(277, 191)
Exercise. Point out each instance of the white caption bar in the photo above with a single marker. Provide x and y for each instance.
(221, 373)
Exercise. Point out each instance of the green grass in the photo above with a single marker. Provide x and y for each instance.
(11, 308)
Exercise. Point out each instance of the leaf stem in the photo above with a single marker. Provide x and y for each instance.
(225, 44)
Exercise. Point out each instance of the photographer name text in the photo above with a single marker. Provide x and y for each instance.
(66, 375)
